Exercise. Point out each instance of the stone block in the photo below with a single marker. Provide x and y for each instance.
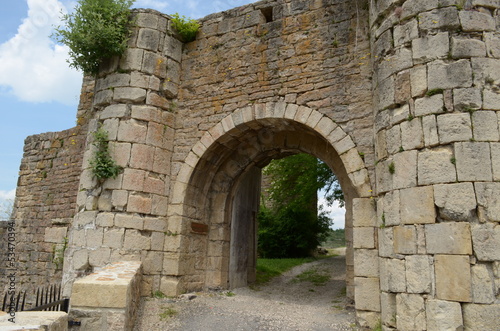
(485, 70)
(55, 235)
(386, 242)
(448, 238)
(367, 294)
(133, 180)
(405, 174)
(402, 91)
(417, 205)
(492, 44)
(405, 33)
(132, 59)
(367, 319)
(80, 259)
(105, 219)
(366, 263)
(129, 221)
(476, 21)
(430, 47)
(486, 241)
(495, 160)
(410, 312)
(439, 19)
(129, 94)
(466, 99)
(381, 145)
(405, 240)
(481, 317)
(429, 127)
(419, 273)
(396, 61)
(418, 80)
(170, 286)
(364, 237)
(113, 238)
(35, 321)
(454, 127)
(132, 131)
(393, 139)
(485, 126)
(148, 39)
(443, 315)
(483, 284)
(138, 203)
(442, 75)
(388, 308)
(412, 136)
(113, 284)
(429, 105)
(114, 111)
(466, 48)
(134, 240)
(99, 257)
(352, 161)
(119, 199)
(491, 99)
(94, 237)
(141, 156)
(364, 213)
(473, 161)
(385, 94)
(391, 208)
(392, 275)
(456, 202)
(453, 277)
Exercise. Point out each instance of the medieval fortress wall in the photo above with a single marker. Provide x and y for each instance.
(399, 98)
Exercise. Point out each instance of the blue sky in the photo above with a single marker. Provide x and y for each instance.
(38, 91)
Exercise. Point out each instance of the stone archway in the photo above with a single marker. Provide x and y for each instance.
(242, 142)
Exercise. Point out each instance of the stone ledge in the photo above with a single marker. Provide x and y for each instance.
(110, 287)
(36, 320)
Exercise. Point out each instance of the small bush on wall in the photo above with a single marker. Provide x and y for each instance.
(96, 30)
(186, 27)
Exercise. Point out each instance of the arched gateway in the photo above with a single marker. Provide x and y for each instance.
(399, 98)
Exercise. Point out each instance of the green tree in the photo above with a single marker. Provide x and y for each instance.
(96, 30)
(289, 222)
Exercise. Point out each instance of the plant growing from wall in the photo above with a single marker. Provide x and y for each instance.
(102, 165)
(58, 252)
(96, 30)
(186, 27)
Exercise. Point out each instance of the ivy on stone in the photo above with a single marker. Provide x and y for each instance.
(96, 30)
(102, 165)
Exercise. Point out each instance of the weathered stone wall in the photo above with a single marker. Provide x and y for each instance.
(401, 102)
(436, 78)
(46, 200)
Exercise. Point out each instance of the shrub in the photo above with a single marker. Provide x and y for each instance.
(97, 30)
(103, 166)
(186, 27)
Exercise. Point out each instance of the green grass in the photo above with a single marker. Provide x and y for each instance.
(270, 268)
(167, 313)
(312, 276)
(335, 239)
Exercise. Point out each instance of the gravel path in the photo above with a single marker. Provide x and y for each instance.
(285, 303)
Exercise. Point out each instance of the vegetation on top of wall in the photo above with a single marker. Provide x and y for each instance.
(96, 30)
(102, 165)
(186, 27)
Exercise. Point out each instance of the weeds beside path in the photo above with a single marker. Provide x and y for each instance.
(308, 297)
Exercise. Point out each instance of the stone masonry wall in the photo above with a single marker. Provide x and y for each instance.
(436, 102)
(46, 200)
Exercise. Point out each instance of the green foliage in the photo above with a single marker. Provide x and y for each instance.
(97, 30)
(159, 295)
(434, 92)
(167, 313)
(289, 224)
(58, 253)
(186, 27)
(103, 166)
(392, 168)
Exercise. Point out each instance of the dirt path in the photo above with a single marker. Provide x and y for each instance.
(286, 303)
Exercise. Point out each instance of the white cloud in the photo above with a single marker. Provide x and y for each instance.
(334, 212)
(32, 66)
(8, 195)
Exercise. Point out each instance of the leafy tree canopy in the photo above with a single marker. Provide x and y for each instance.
(289, 223)
(96, 30)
